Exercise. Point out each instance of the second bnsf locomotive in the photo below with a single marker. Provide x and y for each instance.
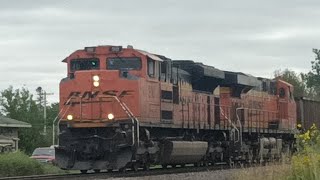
(127, 108)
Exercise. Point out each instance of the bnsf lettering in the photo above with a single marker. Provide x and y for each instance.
(74, 94)
(87, 94)
(90, 95)
(110, 93)
(125, 93)
(117, 93)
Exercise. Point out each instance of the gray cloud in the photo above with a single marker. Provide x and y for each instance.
(256, 37)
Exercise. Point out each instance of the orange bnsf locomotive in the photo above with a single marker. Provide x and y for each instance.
(127, 108)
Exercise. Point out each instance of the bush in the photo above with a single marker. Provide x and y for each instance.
(19, 164)
(306, 162)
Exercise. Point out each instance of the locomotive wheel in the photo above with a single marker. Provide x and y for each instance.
(123, 170)
(241, 164)
(135, 167)
(146, 167)
(197, 164)
(231, 163)
(250, 158)
(205, 163)
(84, 171)
(96, 170)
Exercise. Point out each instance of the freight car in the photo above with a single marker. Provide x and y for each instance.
(127, 108)
(308, 112)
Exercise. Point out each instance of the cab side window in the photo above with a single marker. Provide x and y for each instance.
(163, 71)
(151, 68)
(282, 93)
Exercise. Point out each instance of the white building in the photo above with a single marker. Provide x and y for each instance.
(9, 133)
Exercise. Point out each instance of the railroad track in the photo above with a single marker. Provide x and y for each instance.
(115, 174)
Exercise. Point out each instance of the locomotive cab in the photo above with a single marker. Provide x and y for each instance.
(96, 76)
(286, 105)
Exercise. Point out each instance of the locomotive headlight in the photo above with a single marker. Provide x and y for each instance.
(96, 78)
(96, 83)
(69, 117)
(110, 116)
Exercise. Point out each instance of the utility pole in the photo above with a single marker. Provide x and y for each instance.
(45, 94)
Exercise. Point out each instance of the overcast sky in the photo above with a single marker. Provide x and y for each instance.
(255, 37)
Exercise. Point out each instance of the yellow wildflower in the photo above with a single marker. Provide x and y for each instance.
(301, 136)
(307, 135)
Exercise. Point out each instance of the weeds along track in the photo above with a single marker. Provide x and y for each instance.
(140, 173)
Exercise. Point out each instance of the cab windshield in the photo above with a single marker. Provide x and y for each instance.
(118, 63)
(84, 64)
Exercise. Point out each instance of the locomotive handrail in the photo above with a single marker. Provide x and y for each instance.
(234, 126)
(56, 118)
(133, 118)
(238, 120)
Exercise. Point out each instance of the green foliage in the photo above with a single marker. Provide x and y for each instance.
(19, 104)
(306, 162)
(52, 112)
(313, 76)
(19, 164)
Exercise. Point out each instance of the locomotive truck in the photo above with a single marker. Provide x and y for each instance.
(127, 108)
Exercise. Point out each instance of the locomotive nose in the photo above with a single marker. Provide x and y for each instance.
(95, 95)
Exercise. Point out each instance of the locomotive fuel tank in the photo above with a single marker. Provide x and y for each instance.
(183, 152)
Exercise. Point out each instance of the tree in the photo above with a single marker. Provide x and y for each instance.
(52, 112)
(297, 80)
(19, 104)
(313, 77)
